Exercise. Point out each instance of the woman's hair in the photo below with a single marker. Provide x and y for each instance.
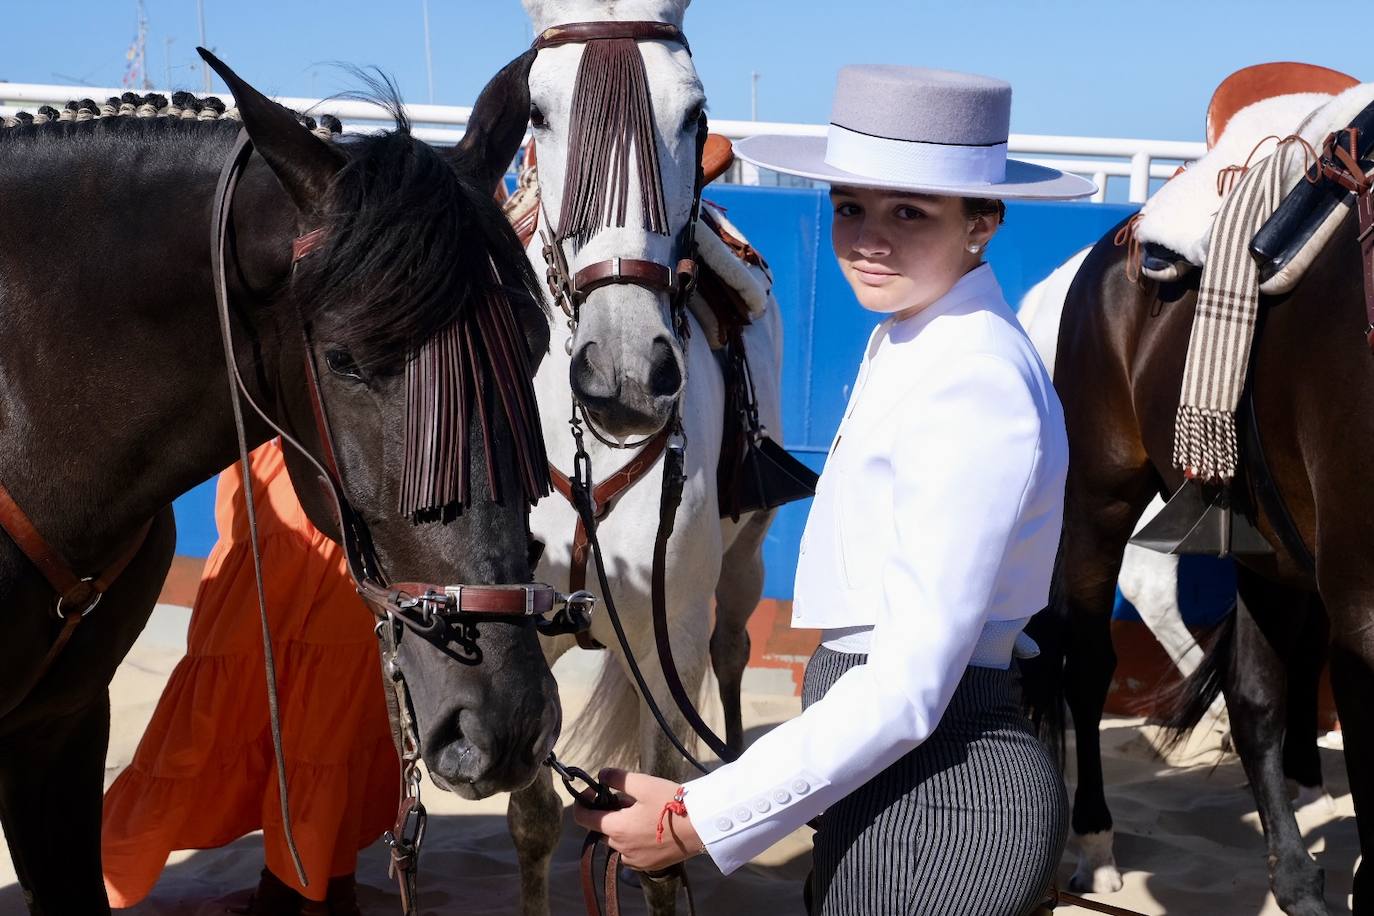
(985, 206)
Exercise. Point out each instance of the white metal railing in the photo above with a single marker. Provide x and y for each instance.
(1098, 158)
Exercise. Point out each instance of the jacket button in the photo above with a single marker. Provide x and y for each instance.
(742, 814)
(800, 787)
(724, 823)
(761, 805)
(781, 796)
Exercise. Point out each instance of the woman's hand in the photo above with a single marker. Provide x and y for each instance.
(632, 830)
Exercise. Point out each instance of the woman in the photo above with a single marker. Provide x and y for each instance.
(928, 547)
(204, 775)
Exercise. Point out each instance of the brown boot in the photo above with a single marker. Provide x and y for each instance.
(342, 896)
(272, 898)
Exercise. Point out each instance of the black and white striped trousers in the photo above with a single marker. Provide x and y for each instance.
(970, 823)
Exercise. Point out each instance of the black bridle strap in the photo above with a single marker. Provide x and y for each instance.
(224, 196)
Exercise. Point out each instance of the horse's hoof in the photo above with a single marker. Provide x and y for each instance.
(1299, 886)
(1097, 872)
(1105, 879)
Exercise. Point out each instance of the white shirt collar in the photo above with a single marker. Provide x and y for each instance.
(978, 284)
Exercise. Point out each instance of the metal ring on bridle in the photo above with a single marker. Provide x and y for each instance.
(89, 605)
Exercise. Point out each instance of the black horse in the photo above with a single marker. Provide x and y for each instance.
(114, 399)
(1119, 366)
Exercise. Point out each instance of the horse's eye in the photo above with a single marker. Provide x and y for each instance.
(340, 362)
(537, 120)
(694, 116)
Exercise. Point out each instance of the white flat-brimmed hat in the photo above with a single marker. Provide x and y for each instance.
(916, 129)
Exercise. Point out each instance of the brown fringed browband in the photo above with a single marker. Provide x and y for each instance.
(612, 112)
(479, 360)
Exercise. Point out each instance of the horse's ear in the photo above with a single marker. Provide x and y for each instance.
(302, 162)
(497, 124)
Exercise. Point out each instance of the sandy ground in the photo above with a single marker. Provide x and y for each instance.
(1188, 837)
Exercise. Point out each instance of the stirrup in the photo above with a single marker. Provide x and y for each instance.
(1200, 520)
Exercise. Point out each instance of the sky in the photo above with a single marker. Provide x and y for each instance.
(1106, 69)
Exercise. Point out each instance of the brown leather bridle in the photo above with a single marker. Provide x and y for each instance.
(426, 609)
(416, 605)
(675, 279)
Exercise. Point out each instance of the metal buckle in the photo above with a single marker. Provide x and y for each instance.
(455, 594)
(529, 600)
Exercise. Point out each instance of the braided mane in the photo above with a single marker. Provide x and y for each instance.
(124, 111)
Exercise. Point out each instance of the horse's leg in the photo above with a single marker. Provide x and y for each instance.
(1098, 520)
(1149, 581)
(1269, 622)
(51, 779)
(1301, 759)
(656, 754)
(662, 759)
(535, 818)
(737, 595)
(1352, 681)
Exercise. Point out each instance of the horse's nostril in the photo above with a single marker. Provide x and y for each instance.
(665, 376)
(592, 377)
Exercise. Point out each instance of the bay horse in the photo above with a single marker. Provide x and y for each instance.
(1149, 580)
(115, 398)
(628, 368)
(1120, 359)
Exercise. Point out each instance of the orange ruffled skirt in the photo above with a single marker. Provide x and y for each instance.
(204, 774)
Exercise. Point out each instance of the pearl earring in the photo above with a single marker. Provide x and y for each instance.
(974, 248)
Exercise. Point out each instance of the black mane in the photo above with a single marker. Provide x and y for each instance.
(411, 244)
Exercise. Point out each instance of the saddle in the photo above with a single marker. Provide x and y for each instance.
(1175, 226)
(1256, 83)
(1332, 176)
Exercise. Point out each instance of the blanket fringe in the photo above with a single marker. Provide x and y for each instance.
(1205, 444)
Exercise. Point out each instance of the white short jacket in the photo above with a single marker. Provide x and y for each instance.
(936, 521)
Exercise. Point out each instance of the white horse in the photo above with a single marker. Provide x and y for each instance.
(1148, 578)
(628, 368)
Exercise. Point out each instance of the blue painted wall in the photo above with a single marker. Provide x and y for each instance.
(825, 332)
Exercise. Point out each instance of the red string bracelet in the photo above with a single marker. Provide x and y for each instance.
(674, 805)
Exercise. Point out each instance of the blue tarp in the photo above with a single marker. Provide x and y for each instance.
(825, 331)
